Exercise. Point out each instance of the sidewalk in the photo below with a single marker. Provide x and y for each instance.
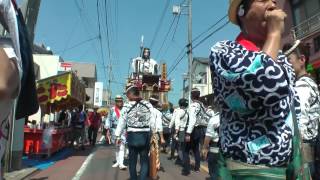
(20, 174)
(64, 169)
(35, 165)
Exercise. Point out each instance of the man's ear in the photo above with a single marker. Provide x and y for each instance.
(302, 58)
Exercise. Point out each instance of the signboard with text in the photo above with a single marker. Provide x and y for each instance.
(64, 66)
(98, 94)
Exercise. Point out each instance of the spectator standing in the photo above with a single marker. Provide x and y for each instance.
(308, 93)
(94, 122)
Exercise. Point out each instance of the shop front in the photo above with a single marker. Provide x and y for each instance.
(55, 93)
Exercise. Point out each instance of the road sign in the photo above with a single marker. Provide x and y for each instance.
(64, 66)
(98, 94)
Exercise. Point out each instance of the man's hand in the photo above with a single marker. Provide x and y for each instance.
(118, 141)
(204, 153)
(275, 21)
(275, 26)
(108, 133)
(187, 138)
(175, 137)
(162, 141)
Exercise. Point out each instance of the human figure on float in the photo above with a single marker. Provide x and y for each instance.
(144, 65)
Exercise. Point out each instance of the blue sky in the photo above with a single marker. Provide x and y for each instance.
(63, 24)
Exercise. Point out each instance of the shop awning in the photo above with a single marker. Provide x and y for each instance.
(61, 91)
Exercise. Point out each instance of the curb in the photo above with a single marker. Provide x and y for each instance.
(20, 174)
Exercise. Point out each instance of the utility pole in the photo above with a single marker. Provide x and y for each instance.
(177, 11)
(30, 11)
(190, 48)
(109, 84)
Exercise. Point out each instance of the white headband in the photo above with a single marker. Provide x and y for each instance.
(295, 45)
(129, 88)
(154, 99)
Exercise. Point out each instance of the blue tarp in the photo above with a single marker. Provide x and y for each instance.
(46, 163)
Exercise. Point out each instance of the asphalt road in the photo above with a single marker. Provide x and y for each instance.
(98, 166)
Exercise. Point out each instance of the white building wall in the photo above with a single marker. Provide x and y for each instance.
(49, 64)
(205, 88)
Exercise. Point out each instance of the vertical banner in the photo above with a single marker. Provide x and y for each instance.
(98, 94)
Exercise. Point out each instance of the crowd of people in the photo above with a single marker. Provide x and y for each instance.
(84, 125)
(265, 119)
(142, 128)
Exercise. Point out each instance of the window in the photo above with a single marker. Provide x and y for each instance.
(316, 42)
(311, 7)
(304, 9)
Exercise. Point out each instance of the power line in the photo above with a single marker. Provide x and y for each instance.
(204, 39)
(85, 20)
(175, 66)
(79, 44)
(100, 41)
(212, 26)
(108, 35)
(108, 46)
(160, 23)
(175, 29)
(69, 37)
(166, 36)
(208, 36)
(172, 39)
(177, 60)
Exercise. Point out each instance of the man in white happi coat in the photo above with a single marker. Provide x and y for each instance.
(111, 125)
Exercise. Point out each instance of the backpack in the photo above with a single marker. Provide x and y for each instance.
(82, 116)
(139, 116)
(182, 134)
(202, 116)
(74, 118)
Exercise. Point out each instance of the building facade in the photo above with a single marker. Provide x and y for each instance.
(303, 23)
(87, 72)
(48, 64)
(201, 77)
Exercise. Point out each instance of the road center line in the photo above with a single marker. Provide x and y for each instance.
(84, 166)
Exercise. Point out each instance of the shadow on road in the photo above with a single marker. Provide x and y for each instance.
(42, 178)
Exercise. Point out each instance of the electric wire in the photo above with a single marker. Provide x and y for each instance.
(178, 60)
(160, 23)
(79, 44)
(208, 29)
(166, 36)
(100, 40)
